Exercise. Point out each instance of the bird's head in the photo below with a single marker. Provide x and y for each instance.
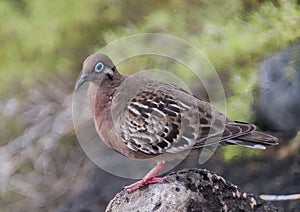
(96, 67)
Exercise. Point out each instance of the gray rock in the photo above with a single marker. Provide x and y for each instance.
(277, 106)
(188, 190)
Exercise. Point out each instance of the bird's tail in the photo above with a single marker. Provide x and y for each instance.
(254, 139)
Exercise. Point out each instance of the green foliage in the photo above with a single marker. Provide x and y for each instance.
(237, 152)
(39, 37)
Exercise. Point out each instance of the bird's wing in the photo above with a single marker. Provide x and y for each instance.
(155, 117)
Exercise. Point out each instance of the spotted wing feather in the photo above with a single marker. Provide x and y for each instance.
(153, 123)
(163, 118)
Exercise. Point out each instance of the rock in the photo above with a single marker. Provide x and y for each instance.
(277, 106)
(189, 190)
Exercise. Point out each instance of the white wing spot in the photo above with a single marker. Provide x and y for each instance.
(140, 105)
(133, 110)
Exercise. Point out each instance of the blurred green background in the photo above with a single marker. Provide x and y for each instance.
(43, 45)
(41, 39)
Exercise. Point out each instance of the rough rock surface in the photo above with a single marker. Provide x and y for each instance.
(189, 190)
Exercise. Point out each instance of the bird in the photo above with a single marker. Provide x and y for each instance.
(147, 119)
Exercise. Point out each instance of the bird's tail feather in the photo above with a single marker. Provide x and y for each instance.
(245, 143)
(254, 139)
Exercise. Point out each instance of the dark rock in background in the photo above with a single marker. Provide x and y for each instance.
(278, 104)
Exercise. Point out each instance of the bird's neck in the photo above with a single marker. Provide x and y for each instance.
(101, 94)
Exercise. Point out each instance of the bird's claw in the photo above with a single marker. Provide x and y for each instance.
(143, 182)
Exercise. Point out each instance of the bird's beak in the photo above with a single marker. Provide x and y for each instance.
(83, 78)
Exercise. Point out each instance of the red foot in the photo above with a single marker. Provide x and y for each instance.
(143, 182)
(151, 177)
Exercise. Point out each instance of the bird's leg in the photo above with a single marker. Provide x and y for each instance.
(151, 177)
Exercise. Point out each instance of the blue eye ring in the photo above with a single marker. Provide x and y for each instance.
(99, 67)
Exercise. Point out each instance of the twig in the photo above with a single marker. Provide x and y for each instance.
(280, 197)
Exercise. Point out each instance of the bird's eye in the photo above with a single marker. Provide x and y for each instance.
(99, 67)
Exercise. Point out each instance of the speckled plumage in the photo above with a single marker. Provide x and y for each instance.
(142, 118)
